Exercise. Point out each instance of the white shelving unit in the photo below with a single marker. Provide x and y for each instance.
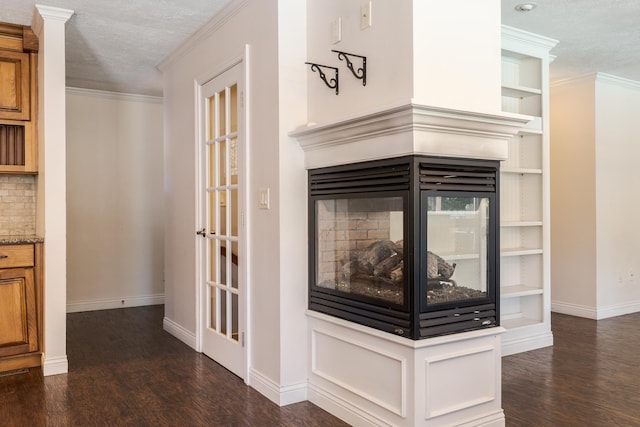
(525, 303)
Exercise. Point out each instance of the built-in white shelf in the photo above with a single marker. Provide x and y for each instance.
(534, 126)
(521, 224)
(521, 170)
(518, 322)
(519, 91)
(516, 291)
(524, 195)
(519, 252)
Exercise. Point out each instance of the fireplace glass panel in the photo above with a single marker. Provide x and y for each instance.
(360, 247)
(457, 248)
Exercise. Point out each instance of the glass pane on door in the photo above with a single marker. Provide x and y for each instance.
(222, 211)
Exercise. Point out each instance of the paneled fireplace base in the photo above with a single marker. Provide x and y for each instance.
(370, 378)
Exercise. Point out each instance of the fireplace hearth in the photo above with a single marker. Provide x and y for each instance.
(407, 245)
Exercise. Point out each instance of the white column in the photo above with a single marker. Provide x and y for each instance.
(51, 222)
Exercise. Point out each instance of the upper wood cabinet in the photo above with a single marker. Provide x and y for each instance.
(14, 85)
(18, 99)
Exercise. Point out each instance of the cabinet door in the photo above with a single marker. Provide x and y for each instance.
(14, 85)
(18, 315)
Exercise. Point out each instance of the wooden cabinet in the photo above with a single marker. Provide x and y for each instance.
(14, 85)
(20, 306)
(18, 99)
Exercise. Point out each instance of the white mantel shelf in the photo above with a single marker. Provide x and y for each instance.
(409, 129)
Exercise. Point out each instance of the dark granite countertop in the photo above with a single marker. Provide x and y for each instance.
(19, 240)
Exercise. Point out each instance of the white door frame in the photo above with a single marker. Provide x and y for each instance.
(245, 297)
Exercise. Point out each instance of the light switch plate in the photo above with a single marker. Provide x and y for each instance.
(365, 15)
(336, 31)
(263, 198)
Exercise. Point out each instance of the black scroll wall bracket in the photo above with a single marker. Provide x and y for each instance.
(360, 73)
(331, 83)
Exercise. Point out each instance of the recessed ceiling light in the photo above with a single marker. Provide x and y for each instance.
(526, 7)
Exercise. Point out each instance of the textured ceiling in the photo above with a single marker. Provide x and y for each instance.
(115, 45)
(594, 35)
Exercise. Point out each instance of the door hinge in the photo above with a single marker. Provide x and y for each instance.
(242, 99)
(242, 219)
(242, 335)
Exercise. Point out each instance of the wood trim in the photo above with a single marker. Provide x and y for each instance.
(30, 42)
(10, 43)
(11, 36)
(38, 277)
(11, 30)
(31, 129)
(18, 37)
(30, 360)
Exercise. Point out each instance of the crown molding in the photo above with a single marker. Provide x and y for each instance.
(599, 78)
(618, 81)
(131, 97)
(54, 13)
(527, 38)
(581, 78)
(218, 20)
(49, 13)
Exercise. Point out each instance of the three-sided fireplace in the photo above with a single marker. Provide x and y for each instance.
(407, 245)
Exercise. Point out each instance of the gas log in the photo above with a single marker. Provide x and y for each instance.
(382, 260)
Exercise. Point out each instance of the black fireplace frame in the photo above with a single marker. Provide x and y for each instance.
(413, 178)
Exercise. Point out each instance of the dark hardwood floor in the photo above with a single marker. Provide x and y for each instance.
(126, 371)
(590, 377)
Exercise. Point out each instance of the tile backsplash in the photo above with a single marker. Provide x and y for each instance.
(17, 205)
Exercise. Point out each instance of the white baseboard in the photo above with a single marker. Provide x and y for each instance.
(493, 420)
(356, 416)
(281, 396)
(618, 310)
(528, 343)
(596, 313)
(107, 304)
(574, 310)
(55, 365)
(342, 409)
(184, 335)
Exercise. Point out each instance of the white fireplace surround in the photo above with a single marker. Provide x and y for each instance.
(409, 129)
(368, 377)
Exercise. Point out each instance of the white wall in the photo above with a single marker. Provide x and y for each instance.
(594, 152)
(293, 201)
(573, 196)
(387, 44)
(115, 239)
(617, 209)
(277, 241)
(418, 51)
(457, 54)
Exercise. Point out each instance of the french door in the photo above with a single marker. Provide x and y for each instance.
(222, 229)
